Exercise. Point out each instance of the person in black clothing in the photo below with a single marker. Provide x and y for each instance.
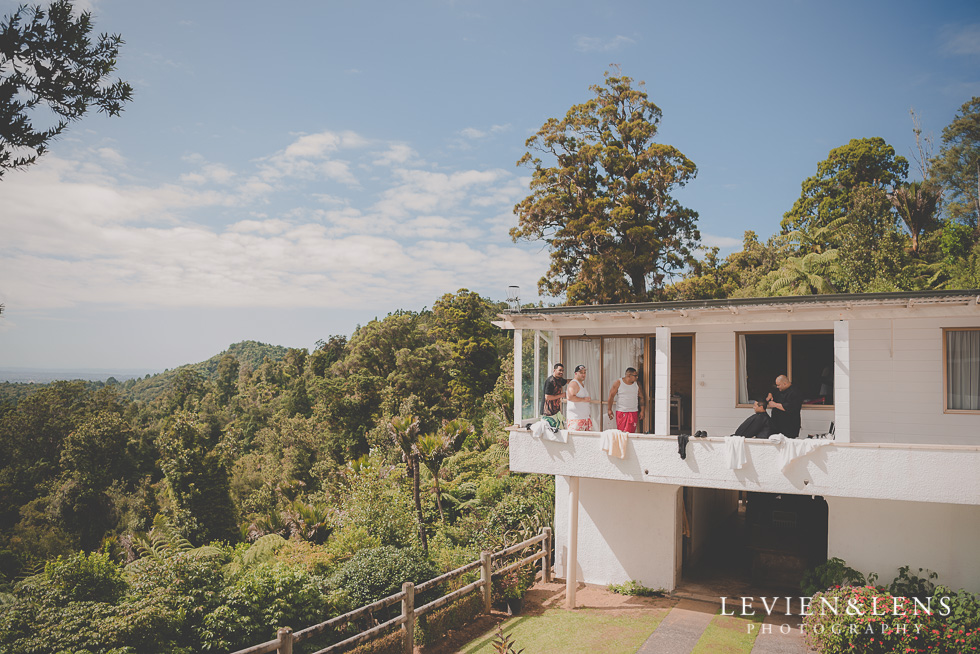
(785, 405)
(554, 391)
(758, 425)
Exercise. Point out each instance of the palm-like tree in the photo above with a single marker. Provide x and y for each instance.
(436, 448)
(404, 431)
(806, 275)
(916, 204)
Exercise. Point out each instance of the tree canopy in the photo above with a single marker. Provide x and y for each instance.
(957, 167)
(603, 201)
(48, 60)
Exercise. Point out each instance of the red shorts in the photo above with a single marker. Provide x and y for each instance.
(627, 421)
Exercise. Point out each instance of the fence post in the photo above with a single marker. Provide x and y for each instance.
(408, 612)
(487, 581)
(285, 635)
(546, 559)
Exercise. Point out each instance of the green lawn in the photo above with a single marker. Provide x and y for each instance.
(583, 631)
(728, 635)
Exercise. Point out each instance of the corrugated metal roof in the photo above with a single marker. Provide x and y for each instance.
(842, 299)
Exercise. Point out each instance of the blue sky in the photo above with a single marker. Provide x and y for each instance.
(286, 172)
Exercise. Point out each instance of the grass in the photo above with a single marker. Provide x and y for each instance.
(728, 635)
(582, 631)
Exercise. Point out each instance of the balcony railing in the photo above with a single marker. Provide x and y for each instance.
(912, 472)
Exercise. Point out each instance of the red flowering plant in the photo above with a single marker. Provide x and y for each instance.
(870, 619)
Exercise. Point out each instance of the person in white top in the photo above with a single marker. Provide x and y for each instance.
(626, 397)
(579, 409)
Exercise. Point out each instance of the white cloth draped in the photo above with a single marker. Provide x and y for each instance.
(791, 449)
(613, 442)
(735, 452)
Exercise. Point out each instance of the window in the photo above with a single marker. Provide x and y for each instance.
(807, 358)
(962, 369)
(606, 359)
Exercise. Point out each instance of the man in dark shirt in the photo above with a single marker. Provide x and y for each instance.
(758, 425)
(785, 407)
(554, 391)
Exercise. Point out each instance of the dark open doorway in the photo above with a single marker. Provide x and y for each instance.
(681, 383)
(751, 540)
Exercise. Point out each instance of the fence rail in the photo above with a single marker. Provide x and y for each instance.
(285, 638)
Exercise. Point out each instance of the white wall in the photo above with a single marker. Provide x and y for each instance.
(882, 535)
(896, 379)
(627, 532)
(897, 384)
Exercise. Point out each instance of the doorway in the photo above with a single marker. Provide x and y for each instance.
(751, 540)
(681, 383)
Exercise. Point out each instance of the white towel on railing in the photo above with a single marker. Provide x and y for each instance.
(791, 449)
(541, 429)
(735, 452)
(613, 443)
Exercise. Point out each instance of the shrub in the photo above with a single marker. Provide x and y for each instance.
(636, 589)
(867, 621)
(833, 572)
(374, 574)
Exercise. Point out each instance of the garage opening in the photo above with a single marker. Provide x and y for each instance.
(741, 540)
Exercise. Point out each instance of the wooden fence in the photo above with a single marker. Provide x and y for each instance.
(286, 638)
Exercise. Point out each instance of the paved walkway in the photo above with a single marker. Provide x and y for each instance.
(681, 629)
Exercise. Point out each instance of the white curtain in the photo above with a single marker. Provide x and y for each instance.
(585, 352)
(618, 354)
(963, 369)
(743, 373)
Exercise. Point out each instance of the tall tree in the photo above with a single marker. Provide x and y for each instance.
(603, 202)
(829, 196)
(462, 321)
(404, 432)
(957, 166)
(47, 59)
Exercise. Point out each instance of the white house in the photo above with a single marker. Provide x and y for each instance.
(897, 373)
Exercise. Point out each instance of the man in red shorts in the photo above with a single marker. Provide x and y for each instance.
(626, 397)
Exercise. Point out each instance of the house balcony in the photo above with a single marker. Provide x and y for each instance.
(948, 474)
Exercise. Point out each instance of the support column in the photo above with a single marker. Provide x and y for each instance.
(842, 381)
(537, 372)
(518, 375)
(571, 562)
(661, 385)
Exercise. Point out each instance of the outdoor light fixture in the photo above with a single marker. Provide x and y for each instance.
(514, 298)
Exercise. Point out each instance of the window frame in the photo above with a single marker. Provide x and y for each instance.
(946, 409)
(789, 361)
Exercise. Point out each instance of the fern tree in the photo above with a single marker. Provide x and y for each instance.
(434, 449)
(404, 431)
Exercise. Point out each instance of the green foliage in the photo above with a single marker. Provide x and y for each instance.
(833, 572)
(867, 621)
(829, 195)
(371, 575)
(636, 589)
(603, 200)
(957, 167)
(909, 584)
(47, 59)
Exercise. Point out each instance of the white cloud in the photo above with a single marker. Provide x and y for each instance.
(961, 39)
(723, 242)
(598, 44)
(79, 234)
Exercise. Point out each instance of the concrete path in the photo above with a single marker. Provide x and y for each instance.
(681, 629)
(777, 641)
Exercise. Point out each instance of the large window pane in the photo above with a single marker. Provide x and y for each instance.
(618, 354)
(585, 351)
(765, 359)
(813, 367)
(963, 370)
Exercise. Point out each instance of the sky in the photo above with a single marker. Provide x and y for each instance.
(288, 172)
